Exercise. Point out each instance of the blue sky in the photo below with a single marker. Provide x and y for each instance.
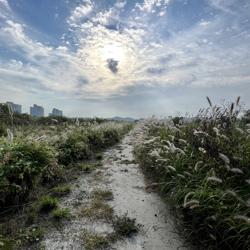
(124, 57)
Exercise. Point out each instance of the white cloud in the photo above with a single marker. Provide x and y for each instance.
(120, 4)
(4, 3)
(150, 5)
(230, 6)
(13, 36)
(107, 18)
(202, 56)
(80, 12)
(4, 9)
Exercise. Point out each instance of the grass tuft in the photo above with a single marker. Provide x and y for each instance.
(202, 168)
(98, 210)
(94, 241)
(47, 203)
(124, 226)
(61, 190)
(61, 213)
(87, 167)
(99, 194)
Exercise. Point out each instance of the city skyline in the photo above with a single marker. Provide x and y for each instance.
(19, 109)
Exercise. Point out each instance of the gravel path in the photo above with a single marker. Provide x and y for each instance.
(123, 177)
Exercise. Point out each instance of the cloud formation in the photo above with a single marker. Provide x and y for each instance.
(108, 49)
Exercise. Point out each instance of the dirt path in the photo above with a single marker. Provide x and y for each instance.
(123, 177)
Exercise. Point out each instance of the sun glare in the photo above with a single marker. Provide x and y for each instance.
(114, 51)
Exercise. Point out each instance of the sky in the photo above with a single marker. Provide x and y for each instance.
(124, 57)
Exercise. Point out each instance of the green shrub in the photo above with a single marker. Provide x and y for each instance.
(52, 173)
(83, 143)
(74, 148)
(21, 163)
(95, 139)
(111, 136)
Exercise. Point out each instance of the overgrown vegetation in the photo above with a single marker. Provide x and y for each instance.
(38, 157)
(21, 165)
(26, 162)
(202, 167)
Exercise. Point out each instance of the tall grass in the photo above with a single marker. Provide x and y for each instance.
(202, 168)
(39, 155)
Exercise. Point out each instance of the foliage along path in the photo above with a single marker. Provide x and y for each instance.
(130, 196)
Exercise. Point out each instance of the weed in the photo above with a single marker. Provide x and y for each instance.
(47, 203)
(98, 210)
(31, 235)
(61, 190)
(124, 226)
(102, 194)
(87, 167)
(61, 213)
(94, 241)
(202, 167)
(99, 156)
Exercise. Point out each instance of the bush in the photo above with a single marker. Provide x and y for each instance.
(95, 139)
(111, 136)
(21, 164)
(74, 148)
(83, 143)
(203, 169)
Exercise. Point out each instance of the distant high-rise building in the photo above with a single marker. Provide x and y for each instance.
(16, 108)
(56, 112)
(37, 111)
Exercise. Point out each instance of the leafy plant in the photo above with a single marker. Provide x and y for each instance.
(21, 163)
